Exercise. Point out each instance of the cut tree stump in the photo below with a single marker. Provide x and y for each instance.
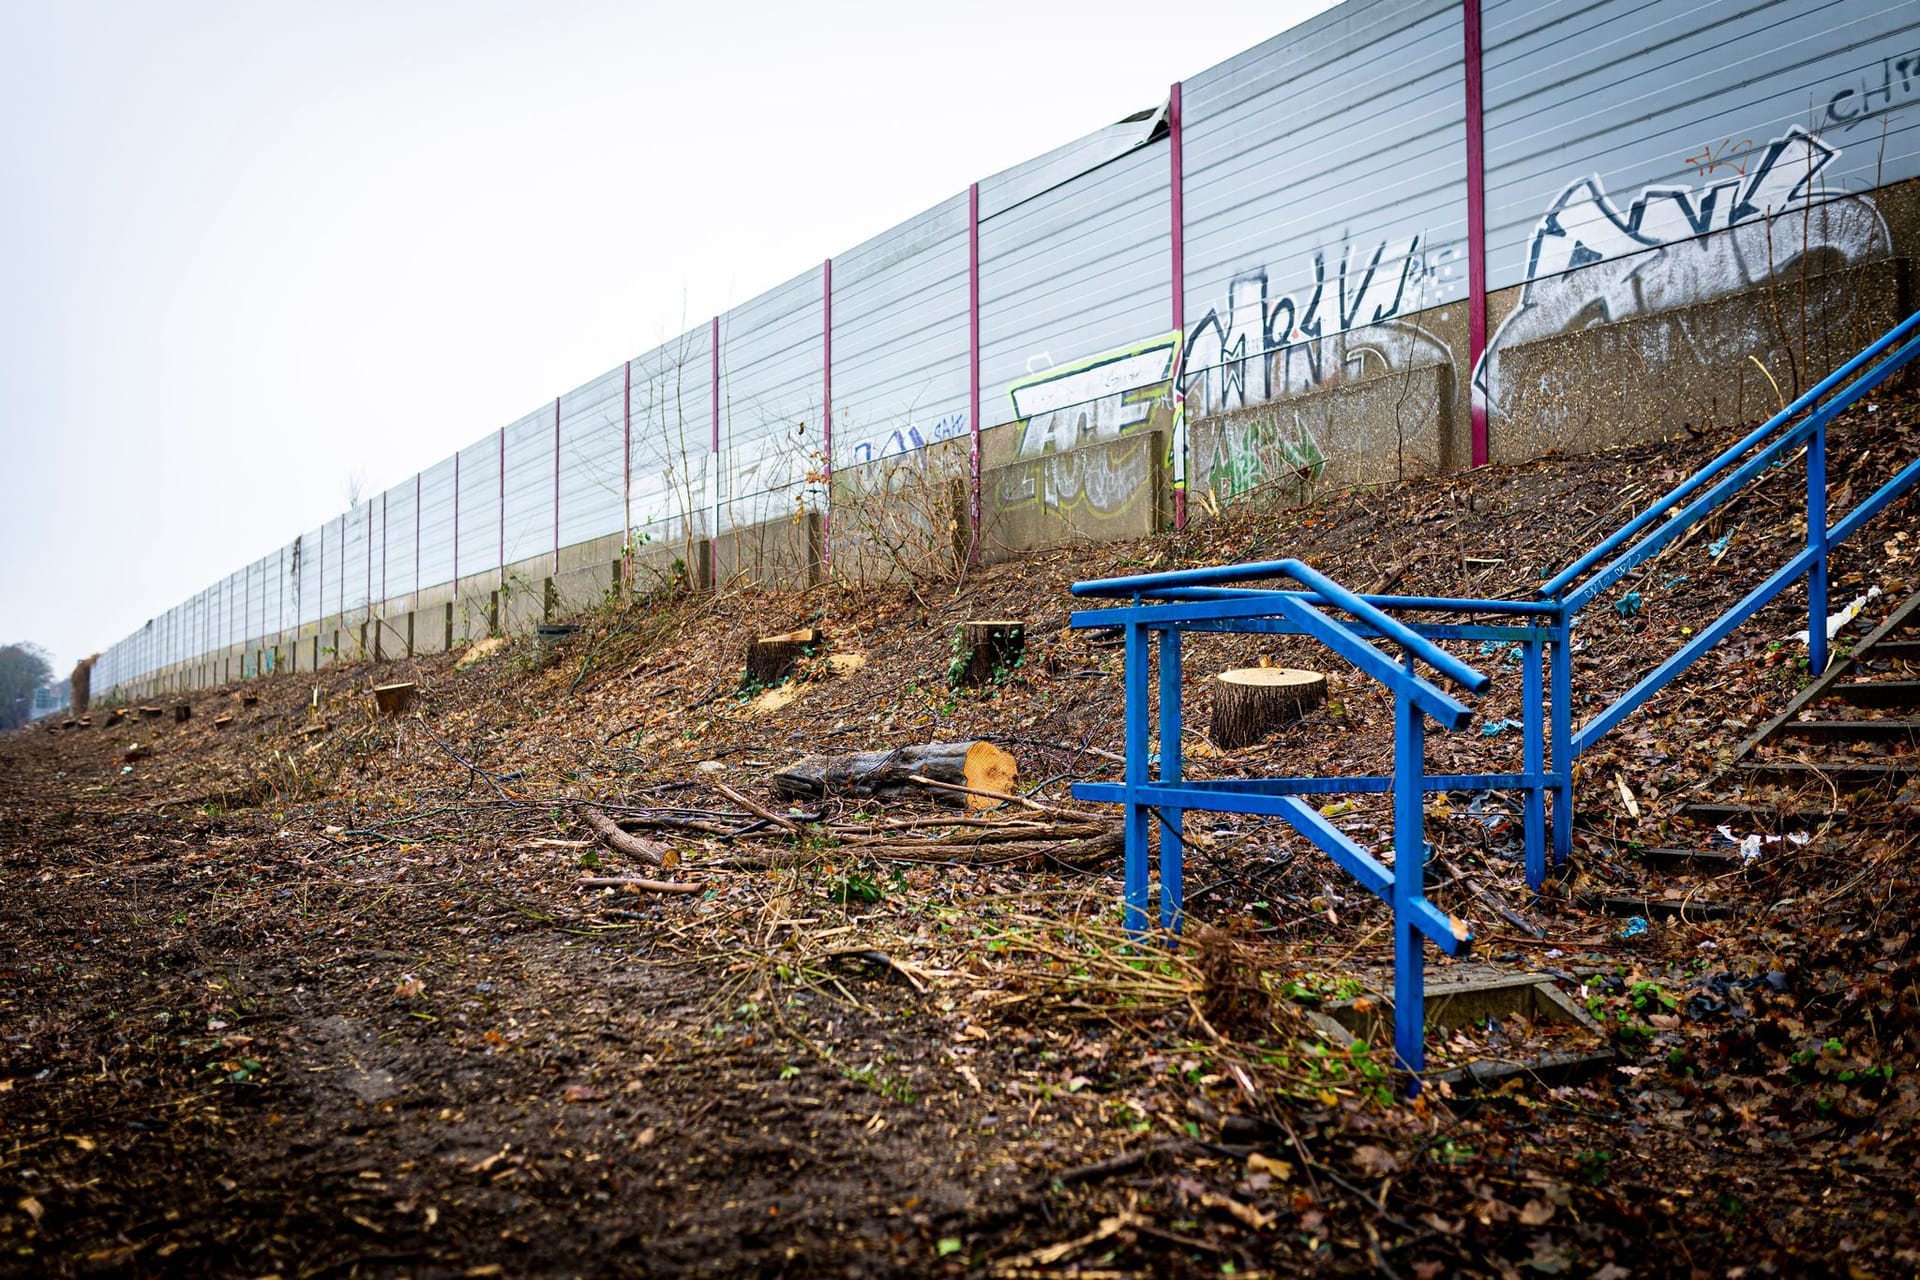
(1253, 701)
(771, 659)
(182, 713)
(393, 699)
(986, 650)
(889, 774)
(151, 713)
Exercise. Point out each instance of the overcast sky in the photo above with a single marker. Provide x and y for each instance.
(250, 253)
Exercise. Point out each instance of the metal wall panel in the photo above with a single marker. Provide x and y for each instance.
(900, 338)
(1077, 270)
(436, 525)
(355, 559)
(1325, 193)
(529, 489)
(592, 435)
(771, 402)
(397, 544)
(1674, 114)
(479, 507)
(672, 436)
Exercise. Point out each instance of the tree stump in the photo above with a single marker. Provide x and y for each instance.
(1253, 701)
(771, 659)
(985, 651)
(182, 713)
(884, 774)
(393, 699)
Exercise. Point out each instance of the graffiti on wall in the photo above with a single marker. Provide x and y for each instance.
(910, 436)
(1098, 483)
(1095, 399)
(1237, 453)
(1262, 344)
(1676, 245)
(1895, 82)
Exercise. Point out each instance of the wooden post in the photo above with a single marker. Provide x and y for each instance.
(1251, 702)
(985, 651)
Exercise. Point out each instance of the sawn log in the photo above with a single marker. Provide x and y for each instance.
(888, 774)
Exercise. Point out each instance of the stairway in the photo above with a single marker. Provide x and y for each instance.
(1854, 729)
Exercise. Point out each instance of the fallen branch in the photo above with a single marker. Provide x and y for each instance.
(785, 824)
(651, 852)
(637, 883)
(983, 792)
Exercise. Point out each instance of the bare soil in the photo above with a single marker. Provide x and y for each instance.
(279, 1000)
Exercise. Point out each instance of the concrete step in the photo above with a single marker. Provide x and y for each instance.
(1904, 649)
(1850, 774)
(1708, 861)
(1890, 730)
(1765, 818)
(1880, 693)
(1689, 909)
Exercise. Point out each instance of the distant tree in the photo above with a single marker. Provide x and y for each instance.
(23, 669)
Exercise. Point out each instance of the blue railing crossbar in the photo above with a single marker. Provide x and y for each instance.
(1159, 608)
(1554, 586)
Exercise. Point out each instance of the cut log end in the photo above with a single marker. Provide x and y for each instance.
(1250, 703)
(981, 766)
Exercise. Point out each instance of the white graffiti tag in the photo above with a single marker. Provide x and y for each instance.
(1592, 263)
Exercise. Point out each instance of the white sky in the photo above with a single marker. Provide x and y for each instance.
(250, 252)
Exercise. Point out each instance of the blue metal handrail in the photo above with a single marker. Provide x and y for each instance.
(1160, 608)
(1539, 633)
(1726, 476)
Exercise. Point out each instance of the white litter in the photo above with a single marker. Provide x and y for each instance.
(1835, 621)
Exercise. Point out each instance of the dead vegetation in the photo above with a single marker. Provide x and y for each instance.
(542, 976)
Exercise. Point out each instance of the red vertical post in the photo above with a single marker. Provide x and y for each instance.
(1177, 233)
(556, 486)
(973, 373)
(826, 395)
(626, 458)
(713, 460)
(500, 469)
(1476, 230)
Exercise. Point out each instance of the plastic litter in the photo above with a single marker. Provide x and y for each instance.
(1718, 547)
(1634, 927)
(1749, 851)
(1627, 605)
(1673, 582)
(1493, 728)
(1835, 621)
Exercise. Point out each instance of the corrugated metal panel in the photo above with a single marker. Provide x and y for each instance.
(356, 561)
(529, 522)
(900, 338)
(311, 576)
(1672, 111)
(436, 525)
(1325, 191)
(398, 544)
(1030, 178)
(592, 485)
(479, 510)
(672, 436)
(771, 401)
(1078, 270)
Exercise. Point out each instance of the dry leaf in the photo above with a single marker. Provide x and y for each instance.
(1375, 1161)
(31, 1207)
(1536, 1213)
(1280, 1170)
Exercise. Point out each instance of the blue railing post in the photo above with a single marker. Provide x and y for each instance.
(1409, 866)
(1817, 543)
(1136, 832)
(1533, 756)
(1172, 851)
(1562, 738)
